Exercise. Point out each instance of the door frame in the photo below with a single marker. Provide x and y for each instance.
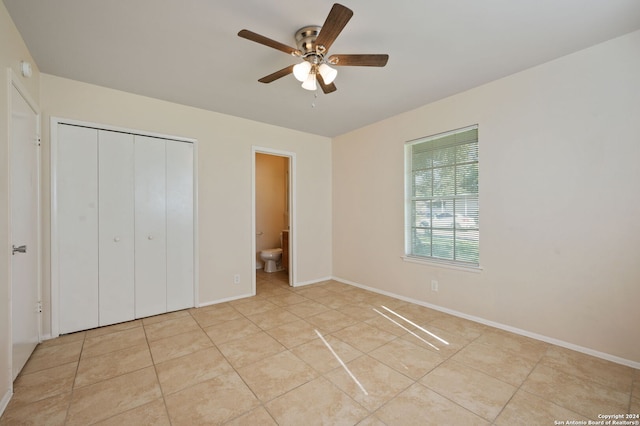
(55, 273)
(293, 252)
(14, 82)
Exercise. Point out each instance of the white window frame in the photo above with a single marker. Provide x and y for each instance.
(409, 256)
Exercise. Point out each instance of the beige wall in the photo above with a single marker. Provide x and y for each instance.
(224, 179)
(12, 51)
(559, 200)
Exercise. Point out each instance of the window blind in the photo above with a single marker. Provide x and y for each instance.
(442, 197)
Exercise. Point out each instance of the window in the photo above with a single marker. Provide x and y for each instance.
(442, 197)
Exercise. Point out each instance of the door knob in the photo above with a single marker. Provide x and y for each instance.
(150, 237)
(116, 239)
(19, 249)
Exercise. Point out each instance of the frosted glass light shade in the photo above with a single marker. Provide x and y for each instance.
(301, 70)
(328, 74)
(310, 82)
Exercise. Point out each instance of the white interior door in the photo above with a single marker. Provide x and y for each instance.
(25, 317)
(150, 226)
(116, 227)
(180, 276)
(76, 200)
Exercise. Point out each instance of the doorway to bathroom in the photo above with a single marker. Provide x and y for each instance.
(274, 215)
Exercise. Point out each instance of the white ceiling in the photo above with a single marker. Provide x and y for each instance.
(188, 51)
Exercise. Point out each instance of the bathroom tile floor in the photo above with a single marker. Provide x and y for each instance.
(327, 353)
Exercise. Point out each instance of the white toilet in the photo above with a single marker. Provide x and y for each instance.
(271, 259)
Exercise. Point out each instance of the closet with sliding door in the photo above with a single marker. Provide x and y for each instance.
(122, 225)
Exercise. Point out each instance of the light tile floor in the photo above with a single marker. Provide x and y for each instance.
(269, 360)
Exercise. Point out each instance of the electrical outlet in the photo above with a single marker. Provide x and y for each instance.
(236, 279)
(434, 285)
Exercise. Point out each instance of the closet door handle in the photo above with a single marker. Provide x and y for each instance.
(150, 237)
(116, 239)
(19, 249)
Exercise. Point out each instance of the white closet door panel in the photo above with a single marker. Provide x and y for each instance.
(116, 224)
(180, 278)
(150, 224)
(77, 227)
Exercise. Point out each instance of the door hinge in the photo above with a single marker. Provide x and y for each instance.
(39, 307)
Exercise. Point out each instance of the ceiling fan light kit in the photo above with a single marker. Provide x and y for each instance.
(313, 43)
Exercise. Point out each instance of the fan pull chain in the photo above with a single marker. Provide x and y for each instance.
(315, 96)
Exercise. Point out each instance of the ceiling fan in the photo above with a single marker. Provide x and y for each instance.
(313, 43)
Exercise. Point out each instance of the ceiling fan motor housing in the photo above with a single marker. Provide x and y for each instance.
(305, 40)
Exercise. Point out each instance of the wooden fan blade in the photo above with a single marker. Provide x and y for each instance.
(276, 75)
(326, 88)
(337, 19)
(250, 35)
(359, 60)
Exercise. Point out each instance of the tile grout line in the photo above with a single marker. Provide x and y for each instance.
(75, 375)
(449, 358)
(261, 404)
(517, 390)
(155, 369)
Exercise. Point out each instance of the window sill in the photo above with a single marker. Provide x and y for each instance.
(442, 264)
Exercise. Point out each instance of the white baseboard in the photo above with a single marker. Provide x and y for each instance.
(547, 339)
(226, 299)
(5, 400)
(243, 296)
(319, 280)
